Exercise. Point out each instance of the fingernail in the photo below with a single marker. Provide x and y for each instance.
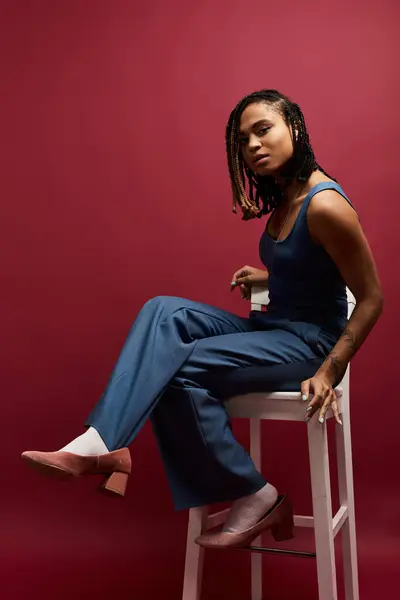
(307, 419)
(340, 423)
(304, 397)
(321, 419)
(233, 283)
(309, 408)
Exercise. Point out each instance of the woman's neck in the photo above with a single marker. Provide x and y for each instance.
(293, 187)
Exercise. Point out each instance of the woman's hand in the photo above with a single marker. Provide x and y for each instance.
(320, 386)
(246, 277)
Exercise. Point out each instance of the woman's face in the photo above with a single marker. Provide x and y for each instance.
(265, 140)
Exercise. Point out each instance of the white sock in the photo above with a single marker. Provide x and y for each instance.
(246, 511)
(87, 444)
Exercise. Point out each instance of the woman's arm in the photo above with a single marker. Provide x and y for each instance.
(334, 224)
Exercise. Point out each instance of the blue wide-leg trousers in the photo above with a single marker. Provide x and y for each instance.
(180, 360)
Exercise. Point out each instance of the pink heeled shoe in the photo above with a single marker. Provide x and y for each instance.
(116, 465)
(279, 519)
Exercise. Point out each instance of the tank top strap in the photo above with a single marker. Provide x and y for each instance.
(301, 225)
(324, 185)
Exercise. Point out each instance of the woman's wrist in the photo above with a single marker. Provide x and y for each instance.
(332, 369)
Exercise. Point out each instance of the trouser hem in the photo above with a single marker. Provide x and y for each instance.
(223, 497)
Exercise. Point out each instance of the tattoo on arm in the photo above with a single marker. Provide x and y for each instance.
(350, 338)
(335, 366)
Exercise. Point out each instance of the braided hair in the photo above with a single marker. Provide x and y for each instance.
(265, 188)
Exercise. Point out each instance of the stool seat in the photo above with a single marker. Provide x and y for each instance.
(280, 406)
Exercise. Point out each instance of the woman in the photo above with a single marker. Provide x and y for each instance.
(182, 358)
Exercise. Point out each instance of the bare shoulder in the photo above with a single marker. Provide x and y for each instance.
(329, 210)
(330, 205)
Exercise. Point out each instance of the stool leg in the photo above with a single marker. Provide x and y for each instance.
(322, 509)
(256, 559)
(194, 555)
(346, 492)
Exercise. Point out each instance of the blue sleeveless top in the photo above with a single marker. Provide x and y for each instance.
(305, 286)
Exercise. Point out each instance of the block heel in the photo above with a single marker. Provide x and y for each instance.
(283, 529)
(116, 483)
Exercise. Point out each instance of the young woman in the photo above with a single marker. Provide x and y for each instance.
(182, 358)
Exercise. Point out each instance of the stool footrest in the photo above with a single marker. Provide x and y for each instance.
(261, 549)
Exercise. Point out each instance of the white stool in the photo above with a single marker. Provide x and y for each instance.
(287, 406)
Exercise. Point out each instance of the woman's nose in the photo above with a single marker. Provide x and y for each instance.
(254, 143)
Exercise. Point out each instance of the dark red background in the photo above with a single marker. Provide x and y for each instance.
(114, 189)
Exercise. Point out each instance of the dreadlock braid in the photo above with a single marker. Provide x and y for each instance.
(266, 188)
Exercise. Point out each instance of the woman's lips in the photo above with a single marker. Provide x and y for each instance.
(261, 160)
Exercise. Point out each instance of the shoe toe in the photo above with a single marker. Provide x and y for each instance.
(219, 539)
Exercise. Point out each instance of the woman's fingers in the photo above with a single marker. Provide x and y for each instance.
(305, 390)
(237, 281)
(335, 410)
(245, 291)
(248, 276)
(243, 279)
(243, 272)
(324, 397)
(313, 406)
(326, 404)
(322, 402)
(320, 395)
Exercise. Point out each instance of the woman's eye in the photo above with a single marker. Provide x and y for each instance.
(242, 141)
(264, 130)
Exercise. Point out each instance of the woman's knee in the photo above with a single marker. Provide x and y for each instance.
(163, 303)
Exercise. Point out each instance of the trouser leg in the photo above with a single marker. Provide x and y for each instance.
(203, 460)
(161, 340)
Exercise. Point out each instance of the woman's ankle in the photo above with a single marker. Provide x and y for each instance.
(89, 443)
